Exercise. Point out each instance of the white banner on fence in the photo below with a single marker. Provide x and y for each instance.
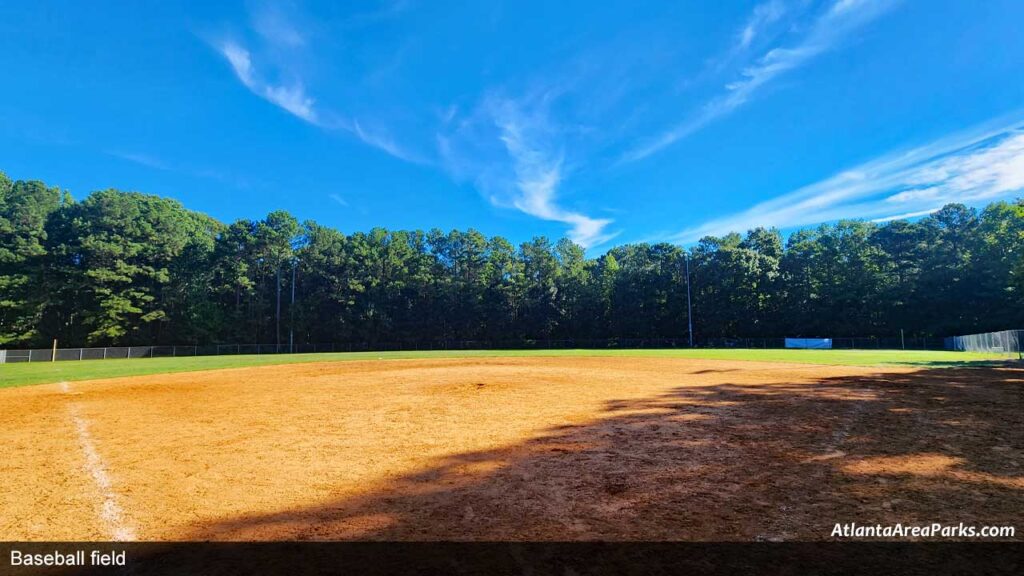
(815, 343)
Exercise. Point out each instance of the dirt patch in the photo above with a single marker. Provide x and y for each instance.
(517, 449)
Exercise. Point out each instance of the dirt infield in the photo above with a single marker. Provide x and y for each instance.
(512, 449)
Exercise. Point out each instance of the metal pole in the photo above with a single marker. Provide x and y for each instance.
(903, 343)
(53, 356)
(291, 314)
(689, 306)
(277, 347)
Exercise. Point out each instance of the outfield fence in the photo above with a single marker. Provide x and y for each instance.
(1004, 342)
(129, 352)
(840, 343)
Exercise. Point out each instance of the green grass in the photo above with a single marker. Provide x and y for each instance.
(47, 372)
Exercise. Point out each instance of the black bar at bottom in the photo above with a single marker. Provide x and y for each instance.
(291, 558)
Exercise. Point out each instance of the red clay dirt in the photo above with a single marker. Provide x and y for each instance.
(512, 449)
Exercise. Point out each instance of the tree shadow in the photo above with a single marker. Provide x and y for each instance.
(775, 461)
(995, 363)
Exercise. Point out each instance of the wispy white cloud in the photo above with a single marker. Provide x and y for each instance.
(538, 175)
(906, 215)
(276, 26)
(382, 141)
(338, 199)
(282, 39)
(829, 28)
(979, 165)
(156, 163)
(763, 15)
(292, 98)
(512, 151)
(147, 160)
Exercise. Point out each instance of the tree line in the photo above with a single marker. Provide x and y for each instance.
(125, 268)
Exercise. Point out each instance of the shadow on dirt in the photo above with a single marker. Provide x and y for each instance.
(720, 462)
(1008, 362)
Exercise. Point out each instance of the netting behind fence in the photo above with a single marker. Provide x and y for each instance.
(1004, 342)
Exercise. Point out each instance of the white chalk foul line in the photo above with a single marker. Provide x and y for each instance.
(110, 512)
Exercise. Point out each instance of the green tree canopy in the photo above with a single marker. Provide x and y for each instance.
(130, 268)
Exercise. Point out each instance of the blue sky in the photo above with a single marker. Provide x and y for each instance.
(608, 122)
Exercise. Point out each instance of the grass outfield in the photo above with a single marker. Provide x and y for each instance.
(49, 372)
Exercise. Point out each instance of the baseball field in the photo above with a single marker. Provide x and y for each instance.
(556, 445)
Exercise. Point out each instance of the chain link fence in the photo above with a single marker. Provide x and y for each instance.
(841, 343)
(129, 352)
(1004, 342)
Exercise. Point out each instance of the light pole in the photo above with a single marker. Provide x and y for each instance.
(291, 312)
(689, 306)
(277, 341)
